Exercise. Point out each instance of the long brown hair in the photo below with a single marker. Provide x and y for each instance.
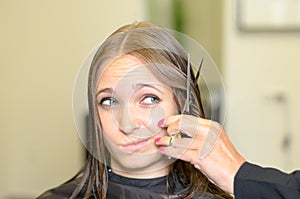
(157, 48)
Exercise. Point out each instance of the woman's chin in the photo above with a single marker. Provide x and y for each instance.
(141, 165)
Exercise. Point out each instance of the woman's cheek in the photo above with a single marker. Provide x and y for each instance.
(156, 114)
(108, 122)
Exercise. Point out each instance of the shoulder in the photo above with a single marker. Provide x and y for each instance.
(62, 191)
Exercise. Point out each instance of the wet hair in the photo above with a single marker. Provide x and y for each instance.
(167, 60)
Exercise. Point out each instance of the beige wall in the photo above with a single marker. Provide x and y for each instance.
(202, 22)
(43, 44)
(257, 66)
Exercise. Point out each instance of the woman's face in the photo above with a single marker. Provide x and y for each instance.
(131, 101)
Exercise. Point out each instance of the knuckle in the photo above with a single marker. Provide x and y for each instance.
(217, 126)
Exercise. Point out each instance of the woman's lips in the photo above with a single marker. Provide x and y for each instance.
(135, 146)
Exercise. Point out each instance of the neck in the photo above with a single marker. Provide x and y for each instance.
(140, 173)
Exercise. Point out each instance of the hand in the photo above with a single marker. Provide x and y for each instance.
(204, 144)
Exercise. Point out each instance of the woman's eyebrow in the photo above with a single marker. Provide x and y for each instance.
(140, 86)
(105, 90)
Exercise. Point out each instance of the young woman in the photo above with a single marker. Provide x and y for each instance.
(144, 103)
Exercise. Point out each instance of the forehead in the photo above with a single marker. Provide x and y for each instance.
(125, 70)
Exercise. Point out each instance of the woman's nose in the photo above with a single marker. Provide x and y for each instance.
(127, 120)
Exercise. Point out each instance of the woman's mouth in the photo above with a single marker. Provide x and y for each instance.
(135, 146)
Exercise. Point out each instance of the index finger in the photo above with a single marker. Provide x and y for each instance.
(187, 124)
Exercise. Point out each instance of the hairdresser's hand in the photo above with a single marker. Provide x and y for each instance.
(206, 146)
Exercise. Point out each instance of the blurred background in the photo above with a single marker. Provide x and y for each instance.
(44, 42)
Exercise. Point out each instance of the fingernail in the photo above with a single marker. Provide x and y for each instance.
(157, 139)
(161, 148)
(161, 122)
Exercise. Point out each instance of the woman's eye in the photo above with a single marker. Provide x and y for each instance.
(148, 100)
(108, 102)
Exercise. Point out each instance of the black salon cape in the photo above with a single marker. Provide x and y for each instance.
(127, 188)
(255, 182)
